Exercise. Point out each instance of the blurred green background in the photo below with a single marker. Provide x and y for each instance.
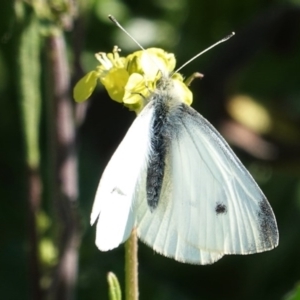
(250, 92)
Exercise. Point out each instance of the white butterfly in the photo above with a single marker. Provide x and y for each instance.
(176, 180)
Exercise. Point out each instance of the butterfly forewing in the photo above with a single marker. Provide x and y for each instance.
(114, 198)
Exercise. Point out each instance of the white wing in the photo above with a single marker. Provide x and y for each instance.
(115, 193)
(209, 204)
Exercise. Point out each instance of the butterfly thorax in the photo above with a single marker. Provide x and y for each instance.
(165, 93)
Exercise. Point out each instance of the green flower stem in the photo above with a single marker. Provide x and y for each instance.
(28, 79)
(131, 268)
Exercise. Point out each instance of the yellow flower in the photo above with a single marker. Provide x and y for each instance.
(130, 80)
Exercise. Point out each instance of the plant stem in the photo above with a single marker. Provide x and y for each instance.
(30, 102)
(64, 172)
(131, 268)
(34, 199)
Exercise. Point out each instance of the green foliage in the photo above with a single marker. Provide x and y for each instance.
(294, 295)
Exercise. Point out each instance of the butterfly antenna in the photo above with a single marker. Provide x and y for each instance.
(226, 38)
(114, 20)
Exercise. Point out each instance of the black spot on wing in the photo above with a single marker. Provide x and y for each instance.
(220, 208)
(267, 224)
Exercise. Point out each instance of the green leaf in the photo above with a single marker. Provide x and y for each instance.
(294, 294)
(114, 287)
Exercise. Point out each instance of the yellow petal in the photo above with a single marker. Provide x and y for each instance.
(152, 66)
(135, 89)
(85, 86)
(167, 59)
(133, 64)
(183, 91)
(114, 82)
(137, 92)
(151, 63)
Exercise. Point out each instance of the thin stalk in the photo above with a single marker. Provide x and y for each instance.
(33, 204)
(131, 267)
(28, 78)
(64, 169)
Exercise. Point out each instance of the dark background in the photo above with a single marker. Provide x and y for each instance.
(254, 74)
